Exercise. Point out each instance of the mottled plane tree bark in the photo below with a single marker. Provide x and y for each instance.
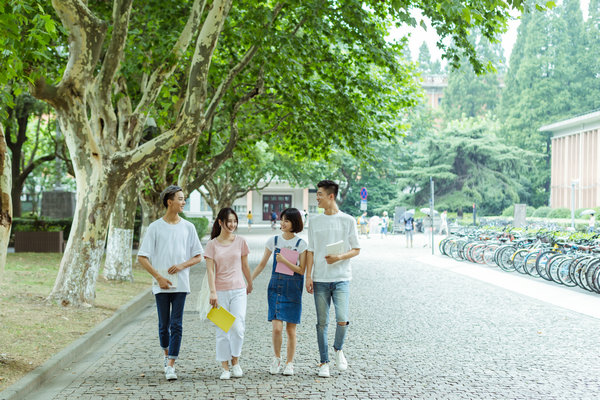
(99, 126)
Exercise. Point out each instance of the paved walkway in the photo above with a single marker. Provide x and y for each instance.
(418, 330)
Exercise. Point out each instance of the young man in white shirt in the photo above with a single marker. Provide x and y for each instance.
(328, 276)
(170, 247)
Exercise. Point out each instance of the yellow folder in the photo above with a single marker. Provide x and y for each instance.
(221, 318)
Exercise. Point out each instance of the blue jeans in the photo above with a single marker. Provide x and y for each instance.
(324, 292)
(170, 321)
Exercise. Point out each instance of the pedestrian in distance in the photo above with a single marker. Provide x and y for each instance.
(363, 222)
(592, 223)
(374, 225)
(444, 223)
(273, 219)
(328, 273)
(226, 267)
(249, 217)
(284, 293)
(385, 220)
(409, 229)
(169, 248)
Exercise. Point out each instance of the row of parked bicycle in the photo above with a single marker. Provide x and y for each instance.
(567, 259)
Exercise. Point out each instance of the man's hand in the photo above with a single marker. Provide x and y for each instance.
(309, 285)
(175, 269)
(164, 283)
(332, 259)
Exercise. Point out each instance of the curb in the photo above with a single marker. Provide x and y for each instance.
(78, 349)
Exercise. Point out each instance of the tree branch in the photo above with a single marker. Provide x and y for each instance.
(166, 69)
(116, 47)
(86, 35)
(233, 72)
(205, 46)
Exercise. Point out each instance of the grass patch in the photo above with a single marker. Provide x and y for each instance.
(33, 330)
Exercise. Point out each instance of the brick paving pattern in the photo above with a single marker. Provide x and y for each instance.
(416, 331)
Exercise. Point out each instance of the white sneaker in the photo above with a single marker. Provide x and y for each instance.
(236, 371)
(340, 360)
(225, 374)
(289, 369)
(324, 371)
(170, 373)
(275, 366)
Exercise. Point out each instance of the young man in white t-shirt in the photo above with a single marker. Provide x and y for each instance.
(170, 247)
(328, 276)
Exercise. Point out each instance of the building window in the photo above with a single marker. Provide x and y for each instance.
(239, 209)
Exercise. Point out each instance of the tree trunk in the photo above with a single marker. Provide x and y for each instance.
(151, 211)
(76, 280)
(5, 201)
(118, 264)
(16, 193)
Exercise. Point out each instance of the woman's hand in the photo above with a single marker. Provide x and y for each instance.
(213, 300)
(249, 288)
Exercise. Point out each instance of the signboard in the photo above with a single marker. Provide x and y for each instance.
(363, 205)
(363, 193)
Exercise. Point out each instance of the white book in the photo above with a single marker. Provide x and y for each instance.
(336, 248)
(171, 277)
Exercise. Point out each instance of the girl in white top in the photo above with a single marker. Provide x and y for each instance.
(285, 290)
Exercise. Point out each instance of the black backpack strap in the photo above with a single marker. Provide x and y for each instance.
(297, 244)
(275, 245)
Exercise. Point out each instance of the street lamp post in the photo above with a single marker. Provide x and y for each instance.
(573, 183)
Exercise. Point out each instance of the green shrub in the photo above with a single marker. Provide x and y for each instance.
(42, 225)
(542, 212)
(201, 224)
(509, 211)
(560, 213)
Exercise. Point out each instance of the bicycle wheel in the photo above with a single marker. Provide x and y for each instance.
(540, 264)
(505, 259)
(460, 246)
(477, 253)
(564, 272)
(587, 276)
(488, 254)
(518, 259)
(552, 267)
(596, 278)
(453, 250)
(575, 269)
(529, 263)
(442, 244)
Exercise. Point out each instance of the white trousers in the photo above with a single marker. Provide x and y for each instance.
(229, 344)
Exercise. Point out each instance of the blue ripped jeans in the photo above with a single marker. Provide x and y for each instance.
(324, 292)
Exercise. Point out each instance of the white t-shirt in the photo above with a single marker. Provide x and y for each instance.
(288, 244)
(326, 229)
(166, 245)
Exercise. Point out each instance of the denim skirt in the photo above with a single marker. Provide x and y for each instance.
(285, 297)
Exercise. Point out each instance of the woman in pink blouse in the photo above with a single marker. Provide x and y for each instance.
(226, 266)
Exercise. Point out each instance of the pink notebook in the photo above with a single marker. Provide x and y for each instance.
(291, 256)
